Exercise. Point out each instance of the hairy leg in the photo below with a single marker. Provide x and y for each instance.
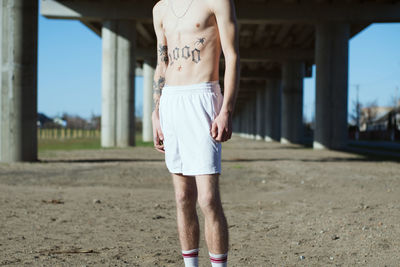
(188, 223)
(216, 229)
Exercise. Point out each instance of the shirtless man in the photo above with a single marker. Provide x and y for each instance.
(191, 117)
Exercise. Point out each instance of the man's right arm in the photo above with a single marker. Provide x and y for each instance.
(159, 77)
(162, 59)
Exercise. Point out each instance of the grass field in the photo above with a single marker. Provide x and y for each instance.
(80, 143)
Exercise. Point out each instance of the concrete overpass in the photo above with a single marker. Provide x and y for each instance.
(279, 43)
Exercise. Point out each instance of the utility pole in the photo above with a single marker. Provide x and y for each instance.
(358, 107)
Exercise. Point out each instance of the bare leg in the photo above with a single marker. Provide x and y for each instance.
(216, 229)
(188, 223)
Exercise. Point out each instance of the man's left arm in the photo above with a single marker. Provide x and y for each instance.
(225, 15)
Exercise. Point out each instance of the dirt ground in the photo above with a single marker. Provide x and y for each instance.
(286, 206)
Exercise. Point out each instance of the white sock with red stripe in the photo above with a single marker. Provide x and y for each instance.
(218, 260)
(191, 257)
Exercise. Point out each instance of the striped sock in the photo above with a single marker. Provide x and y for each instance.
(218, 260)
(191, 257)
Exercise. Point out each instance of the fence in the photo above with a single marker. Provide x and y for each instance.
(67, 133)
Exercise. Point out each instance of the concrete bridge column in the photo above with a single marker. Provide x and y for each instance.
(118, 83)
(18, 80)
(236, 123)
(108, 105)
(126, 66)
(292, 101)
(243, 121)
(240, 118)
(148, 77)
(273, 100)
(238, 126)
(332, 46)
(253, 117)
(260, 113)
(248, 119)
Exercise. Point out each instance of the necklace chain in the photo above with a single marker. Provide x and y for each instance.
(187, 9)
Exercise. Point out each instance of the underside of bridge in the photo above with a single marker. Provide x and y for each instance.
(279, 43)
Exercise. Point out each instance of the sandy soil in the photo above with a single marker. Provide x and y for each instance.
(286, 206)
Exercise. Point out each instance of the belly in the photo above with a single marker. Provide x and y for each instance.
(192, 66)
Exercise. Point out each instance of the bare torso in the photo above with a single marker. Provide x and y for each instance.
(193, 42)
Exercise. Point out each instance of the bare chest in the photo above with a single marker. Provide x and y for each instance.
(197, 21)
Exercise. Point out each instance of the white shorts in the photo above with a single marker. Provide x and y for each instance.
(186, 114)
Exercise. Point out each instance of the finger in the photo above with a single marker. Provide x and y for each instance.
(160, 147)
(156, 140)
(230, 135)
(160, 134)
(160, 150)
(224, 136)
(214, 130)
(154, 135)
(220, 133)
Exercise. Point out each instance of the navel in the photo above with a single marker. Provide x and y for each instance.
(198, 25)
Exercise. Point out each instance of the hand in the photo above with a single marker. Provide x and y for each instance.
(221, 128)
(158, 136)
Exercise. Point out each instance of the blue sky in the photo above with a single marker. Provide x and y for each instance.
(69, 69)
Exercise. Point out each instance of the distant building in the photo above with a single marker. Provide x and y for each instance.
(42, 119)
(380, 123)
(60, 121)
(370, 114)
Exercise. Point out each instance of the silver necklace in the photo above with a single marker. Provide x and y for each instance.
(173, 11)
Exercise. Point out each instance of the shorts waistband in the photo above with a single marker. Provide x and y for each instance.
(211, 86)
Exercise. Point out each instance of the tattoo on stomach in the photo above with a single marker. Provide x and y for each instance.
(187, 52)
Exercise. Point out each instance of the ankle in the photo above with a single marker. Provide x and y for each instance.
(191, 257)
(218, 260)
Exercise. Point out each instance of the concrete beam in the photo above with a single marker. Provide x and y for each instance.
(247, 12)
(309, 12)
(94, 26)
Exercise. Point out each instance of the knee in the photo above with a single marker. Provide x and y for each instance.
(185, 199)
(209, 203)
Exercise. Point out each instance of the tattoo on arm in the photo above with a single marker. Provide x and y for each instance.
(157, 87)
(163, 53)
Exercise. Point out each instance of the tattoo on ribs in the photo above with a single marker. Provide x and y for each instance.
(200, 41)
(187, 52)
